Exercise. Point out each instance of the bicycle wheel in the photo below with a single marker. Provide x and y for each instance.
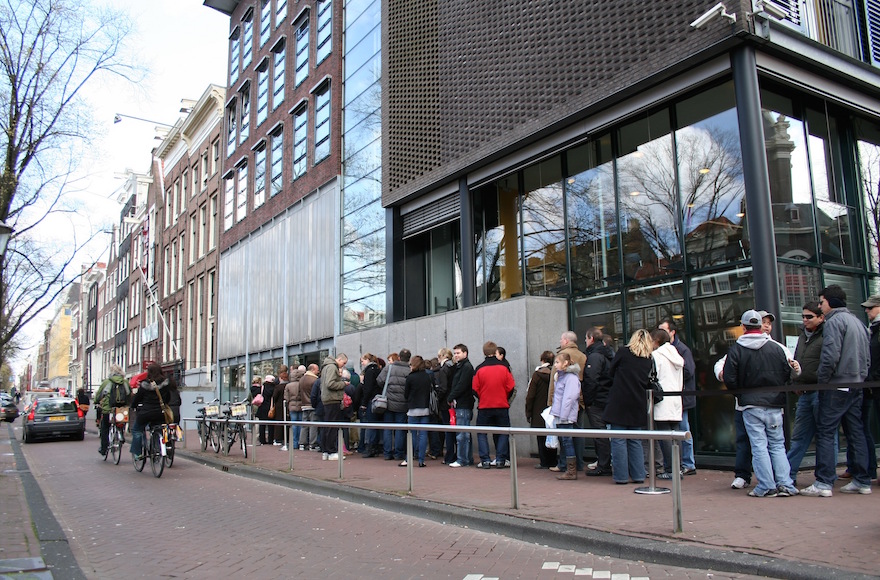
(169, 452)
(157, 462)
(242, 438)
(110, 440)
(215, 437)
(139, 462)
(115, 444)
(229, 438)
(204, 434)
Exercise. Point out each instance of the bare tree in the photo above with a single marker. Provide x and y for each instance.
(49, 51)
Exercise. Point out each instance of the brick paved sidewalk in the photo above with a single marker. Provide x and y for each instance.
(837, 535)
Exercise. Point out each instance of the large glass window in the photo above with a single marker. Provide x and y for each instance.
(868, 139)
(543, 229)
(324, 41)
(231, 133)
(280, 12)
(259, 176)
(432, 279)
(592, 216)
(234, 54)
(277, 161)
(602, 311)
(244, 113)
(650, 304)
(648, 195)
(301, 66)
(278, 68)
(228, 202)
(300, 141)
(241, 193)
(265, 21)
(711, 178)
(322, 123)
(498, 272)
(262, 93)
(247, 39)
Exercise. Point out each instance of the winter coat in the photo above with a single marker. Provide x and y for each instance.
(627, 402)
(443, 380)
(268, 391)
(536, 396)
(370, 387)
(670, 374)
(578, 358)
(305, 390)
(845, 353)
(146, 401)
(417, 390)
(106, 388)
(315, 399)
(332, 383)
(808, 353)
(690, 374)
(597, 380)
(874, 349)
(292, 392)
(755, 360)
(462, 391)
(492, 384)
(395, 386)
(566, 394)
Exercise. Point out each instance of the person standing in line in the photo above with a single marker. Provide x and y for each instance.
(492, 385)
(370, 372)
(670, 374)
(755, 361)
(443, 379)
(596, 386)
(278, 403)
(294, 405)
(688, 402)
(309, 433)
(807, 353)
(265, 430)
(332, 390)
(845, 359)
(461, 398)
(394, 383)
(417, 391)
(565, 409)
(627, 406)
(536, 398)
(871, 397)
(568, 345)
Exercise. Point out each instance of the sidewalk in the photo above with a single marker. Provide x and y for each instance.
(724, 529)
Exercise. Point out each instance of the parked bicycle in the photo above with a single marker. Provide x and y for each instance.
(208, 430)
(155, 450)
(116, 435)
(231, 432)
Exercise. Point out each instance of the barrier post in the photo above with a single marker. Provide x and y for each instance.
(652, 488)
(340, 452)
(409, 461)
(514, 481)
(677, 521)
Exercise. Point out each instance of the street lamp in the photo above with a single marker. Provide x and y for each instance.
(117, 118)
(5, 234)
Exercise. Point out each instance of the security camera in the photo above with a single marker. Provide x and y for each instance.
(771, 9)
(717, 10)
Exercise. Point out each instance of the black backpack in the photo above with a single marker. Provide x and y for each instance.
(120, 395)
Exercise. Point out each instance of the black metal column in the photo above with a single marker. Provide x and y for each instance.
(468, 256)
(394, 298)
(759, 210)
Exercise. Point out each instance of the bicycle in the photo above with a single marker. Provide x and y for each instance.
(155, 450)
(170, 444)
(209, 431)
(236, 410)
(116, 435)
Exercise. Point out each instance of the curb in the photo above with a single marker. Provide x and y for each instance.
(560, 536)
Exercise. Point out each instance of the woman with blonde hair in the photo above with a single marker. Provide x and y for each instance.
(627, 405)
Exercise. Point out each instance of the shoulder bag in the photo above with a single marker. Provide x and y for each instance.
(380, 402)
(654, 383)
(166, 410)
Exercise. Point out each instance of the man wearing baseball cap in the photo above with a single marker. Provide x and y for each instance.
(871, 397)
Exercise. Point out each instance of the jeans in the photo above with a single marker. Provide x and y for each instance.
(666, 445)
(462, 439)
(867, 403)
(105, 432)
(493, 418)
(578, 443)
(309, 433)
(836, 407)
(567, 442)
(743, 465)
(687, 446)
(371, 436)
(330, 435)
(395, 441)
(296, 429)
(603, 446)
(141, 421)
(627, 457)
(764, 427)
(420, 438)
(804, 431)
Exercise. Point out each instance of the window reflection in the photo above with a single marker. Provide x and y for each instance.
(366, 313)
(543, 229)
(647, 195)
(498, 274)
(592, 216)
(602, 311)
(868, 135)
(648, 306)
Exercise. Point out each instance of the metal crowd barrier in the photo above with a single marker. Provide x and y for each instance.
(676, 437)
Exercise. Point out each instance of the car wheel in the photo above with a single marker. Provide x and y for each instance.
(26, 435)
(80, 436)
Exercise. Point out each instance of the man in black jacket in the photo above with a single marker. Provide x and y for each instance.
(461, 398)
(756, 361)
(595, 388)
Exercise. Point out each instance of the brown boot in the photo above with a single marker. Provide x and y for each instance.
(570, 469)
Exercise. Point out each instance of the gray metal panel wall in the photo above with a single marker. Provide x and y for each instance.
(291, 260)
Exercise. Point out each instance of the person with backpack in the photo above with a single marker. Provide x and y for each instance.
(113, 392)
(595, 387)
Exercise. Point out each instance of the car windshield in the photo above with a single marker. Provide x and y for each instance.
(51, 407)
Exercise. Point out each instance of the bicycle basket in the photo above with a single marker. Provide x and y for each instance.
(239, 410)
(212, 410)
(119, 414)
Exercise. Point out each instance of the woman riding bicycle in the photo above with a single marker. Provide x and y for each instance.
(146, 404)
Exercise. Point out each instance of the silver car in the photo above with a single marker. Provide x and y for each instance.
(54, 417)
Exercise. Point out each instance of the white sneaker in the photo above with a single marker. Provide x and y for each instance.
(325, 456)
(284, 448)
(275, 443)
(333, 457)
(814, 491)
(593, 465)
(738, 483)
(493, 463)
(853, 487)
(455, 464)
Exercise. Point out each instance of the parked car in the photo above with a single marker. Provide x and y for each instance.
(8, 408)
(54, 417)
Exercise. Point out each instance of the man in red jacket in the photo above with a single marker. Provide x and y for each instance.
(492, 385)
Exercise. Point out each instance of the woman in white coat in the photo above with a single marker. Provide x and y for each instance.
(667, 413)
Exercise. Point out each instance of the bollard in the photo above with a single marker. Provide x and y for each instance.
(340, 447)
(514, 483)
(652, 488)
(409, 461)
(677, 522)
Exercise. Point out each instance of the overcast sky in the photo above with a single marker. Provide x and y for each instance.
(182, 46)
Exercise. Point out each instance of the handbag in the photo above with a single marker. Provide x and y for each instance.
(346, 401)
(272, 410)
(380, 402)
(258, 400)
(433, 402)
(166, 410)
(654, 383)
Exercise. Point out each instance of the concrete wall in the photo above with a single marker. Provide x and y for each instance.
(525, 326)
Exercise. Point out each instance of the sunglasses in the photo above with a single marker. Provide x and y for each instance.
(808, 316)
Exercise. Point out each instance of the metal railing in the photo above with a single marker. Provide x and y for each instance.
(675, 437)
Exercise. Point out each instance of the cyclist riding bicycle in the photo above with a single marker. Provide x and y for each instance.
(146, 405)
(114, 385)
